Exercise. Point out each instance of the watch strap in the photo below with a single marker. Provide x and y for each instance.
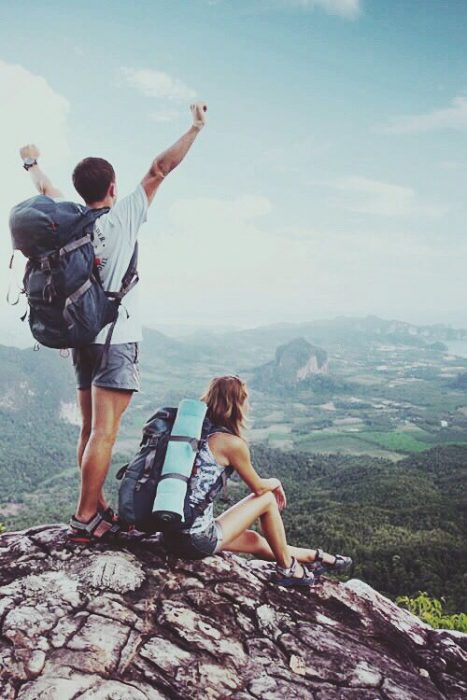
(29, 163)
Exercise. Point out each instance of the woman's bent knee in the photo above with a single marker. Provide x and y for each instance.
(268, 498)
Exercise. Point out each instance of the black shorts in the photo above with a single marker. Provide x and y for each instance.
(195, 545)
(121, 370)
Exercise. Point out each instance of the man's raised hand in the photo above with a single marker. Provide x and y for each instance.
(198, 110)
(29, 154)
(29, 151)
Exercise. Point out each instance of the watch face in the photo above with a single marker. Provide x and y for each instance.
(29, 161)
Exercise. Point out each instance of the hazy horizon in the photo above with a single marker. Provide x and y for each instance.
(17, 334)
(330, 178)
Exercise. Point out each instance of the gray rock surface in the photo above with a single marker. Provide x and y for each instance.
(129, 622)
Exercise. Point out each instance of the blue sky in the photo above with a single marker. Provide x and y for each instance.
(331, 175)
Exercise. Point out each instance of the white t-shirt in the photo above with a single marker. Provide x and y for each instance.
(115, 235)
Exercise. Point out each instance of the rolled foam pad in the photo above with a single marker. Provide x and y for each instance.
(180, 457)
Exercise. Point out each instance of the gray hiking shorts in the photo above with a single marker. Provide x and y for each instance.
(121, 370)
(196, 545)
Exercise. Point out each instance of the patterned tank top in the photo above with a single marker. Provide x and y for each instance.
(206, 473)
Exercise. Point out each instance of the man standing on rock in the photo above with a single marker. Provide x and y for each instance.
(105, 387)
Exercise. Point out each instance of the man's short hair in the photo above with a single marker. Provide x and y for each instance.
(92, 178)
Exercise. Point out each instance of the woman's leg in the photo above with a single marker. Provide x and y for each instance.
(236, 537)
(251, 542)
(236, 520)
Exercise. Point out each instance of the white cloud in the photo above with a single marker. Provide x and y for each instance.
(214, 262)
(453, 117)
(155, 83)
(32, 112)
(366, 196)
(223, 261)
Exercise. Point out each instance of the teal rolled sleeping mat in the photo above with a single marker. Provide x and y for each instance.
(178, 464)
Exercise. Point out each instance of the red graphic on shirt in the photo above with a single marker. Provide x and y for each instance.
(100, 263)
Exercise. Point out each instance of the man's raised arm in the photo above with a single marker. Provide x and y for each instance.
(164, 163)
(29, 155)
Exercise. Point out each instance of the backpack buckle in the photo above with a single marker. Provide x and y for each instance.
(45, 264)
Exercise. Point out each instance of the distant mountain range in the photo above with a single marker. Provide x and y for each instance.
(346, 330)
(258, 344)
(285, 353)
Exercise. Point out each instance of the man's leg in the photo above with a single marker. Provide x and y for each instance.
(85, 407)
(107, 406)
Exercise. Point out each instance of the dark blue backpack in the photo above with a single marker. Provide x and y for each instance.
(67, 303)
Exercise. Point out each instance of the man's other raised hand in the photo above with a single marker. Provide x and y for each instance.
(198, 110)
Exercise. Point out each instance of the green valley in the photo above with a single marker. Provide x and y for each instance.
(364, 421)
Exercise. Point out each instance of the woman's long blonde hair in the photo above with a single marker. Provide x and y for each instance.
(225, 398)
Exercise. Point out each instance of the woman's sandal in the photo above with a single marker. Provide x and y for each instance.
(340, 566)
(286, 577)
(101, 526)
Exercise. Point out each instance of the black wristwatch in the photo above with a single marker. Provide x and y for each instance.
(29, 162)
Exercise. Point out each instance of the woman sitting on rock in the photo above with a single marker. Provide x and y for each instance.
(224, 452)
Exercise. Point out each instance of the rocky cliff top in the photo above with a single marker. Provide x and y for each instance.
(132, 623)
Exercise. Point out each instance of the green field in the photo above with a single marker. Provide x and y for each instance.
(396, 441)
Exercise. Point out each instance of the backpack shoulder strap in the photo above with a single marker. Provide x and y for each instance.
(219, 429)
(85, 226)
(130, 279)
(85, 223)
(93, 214)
